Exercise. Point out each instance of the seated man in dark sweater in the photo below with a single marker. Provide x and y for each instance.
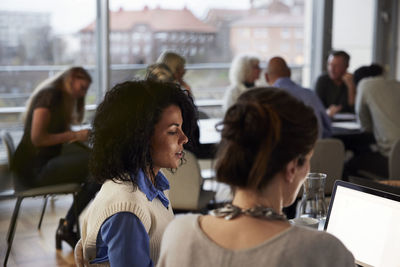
(336, 88)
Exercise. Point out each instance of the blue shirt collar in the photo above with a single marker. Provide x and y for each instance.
(281, 81)
(151, 191)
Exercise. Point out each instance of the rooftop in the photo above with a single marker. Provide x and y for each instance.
(157, 19)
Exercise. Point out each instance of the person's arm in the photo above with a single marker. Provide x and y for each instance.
(325, 119)
(351, 88)
(41, 137)
(127, 241)
(332, 110)
(320, 88)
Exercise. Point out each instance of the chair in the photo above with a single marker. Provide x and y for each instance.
(6, 190)
(20, 194)
(186, 193)
(393, 166)
(328, 158)
(394, 161)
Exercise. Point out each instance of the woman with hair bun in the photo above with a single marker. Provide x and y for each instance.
(267, 142)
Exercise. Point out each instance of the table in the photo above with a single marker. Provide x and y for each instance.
(351, 134)
(344, 117)
(395, 183)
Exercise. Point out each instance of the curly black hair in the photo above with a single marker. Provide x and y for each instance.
(124, 124)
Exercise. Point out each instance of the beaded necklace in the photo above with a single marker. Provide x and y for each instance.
(230, 211)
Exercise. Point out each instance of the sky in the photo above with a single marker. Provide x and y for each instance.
(69, 16)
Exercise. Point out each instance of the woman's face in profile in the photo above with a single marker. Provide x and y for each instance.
(180, 72)
(255, 73)
(168, 139)
(304, 169)
(79, 87)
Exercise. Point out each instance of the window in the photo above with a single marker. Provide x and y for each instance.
(354, 33)
(213, 39)
(285, 33)
(136, 36)
(135, 49)
(299, 33)
(285, 47)
(193, 51)
(161, 35)
(260, 33)
(299, 47)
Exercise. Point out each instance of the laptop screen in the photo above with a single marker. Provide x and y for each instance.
(367, 222)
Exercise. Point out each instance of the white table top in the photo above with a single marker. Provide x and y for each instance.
(208, 133)
(349, 125)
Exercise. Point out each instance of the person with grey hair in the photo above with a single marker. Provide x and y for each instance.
(244, 71)
(176, 64)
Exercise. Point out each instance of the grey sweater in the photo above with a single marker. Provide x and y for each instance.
(185, 244)
(377, 106)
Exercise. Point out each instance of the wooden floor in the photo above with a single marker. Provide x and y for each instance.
(32, 247)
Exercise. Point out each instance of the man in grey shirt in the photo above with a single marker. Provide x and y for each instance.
(378, 109)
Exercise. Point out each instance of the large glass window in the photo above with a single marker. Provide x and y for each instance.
(209, 34)
(40, 38)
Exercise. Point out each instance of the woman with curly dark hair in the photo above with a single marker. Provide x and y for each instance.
(139, 128)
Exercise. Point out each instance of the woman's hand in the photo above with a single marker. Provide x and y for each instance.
(82, 136)
(332, 110)
(40, 137)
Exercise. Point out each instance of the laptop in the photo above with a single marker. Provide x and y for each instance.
(367, 221)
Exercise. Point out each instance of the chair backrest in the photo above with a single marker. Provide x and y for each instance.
(185, 184)
(328, 158)
(9, 143)
(394, 161)
(7, 181)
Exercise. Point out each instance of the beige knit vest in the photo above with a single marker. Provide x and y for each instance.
(120, 197)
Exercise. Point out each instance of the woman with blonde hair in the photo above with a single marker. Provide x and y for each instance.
(244, 71)
(50, 152)
(176, 64)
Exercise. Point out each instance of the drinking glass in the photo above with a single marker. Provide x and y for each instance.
(313, 200)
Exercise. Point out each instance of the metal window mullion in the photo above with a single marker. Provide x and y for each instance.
(102, 49)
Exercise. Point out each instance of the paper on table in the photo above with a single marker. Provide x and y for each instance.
(79, 127)
(208, 133)
(344, 116)
(351, 125)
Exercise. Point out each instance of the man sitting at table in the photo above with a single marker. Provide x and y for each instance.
(378, 109)
(278, 75)
(336, 88)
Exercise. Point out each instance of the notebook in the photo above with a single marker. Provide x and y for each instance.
(367, 221)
